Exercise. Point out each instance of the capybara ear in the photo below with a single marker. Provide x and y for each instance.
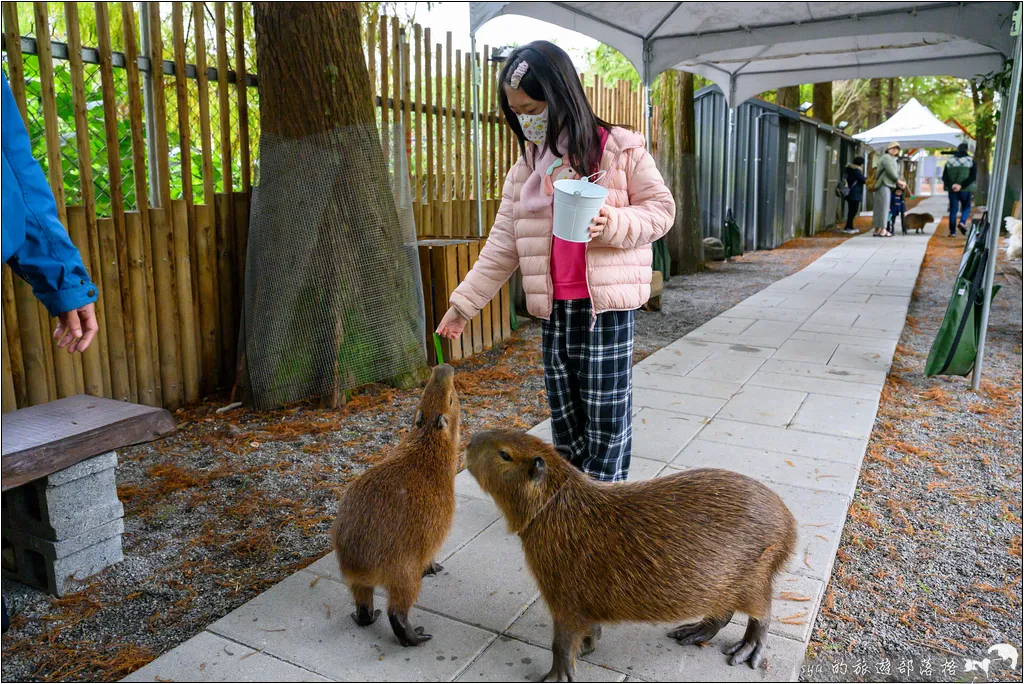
(418, 420)
(442, 422)
(566, 452)
(538, 469)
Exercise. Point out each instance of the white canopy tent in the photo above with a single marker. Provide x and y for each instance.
(747, 48)
(913, 125)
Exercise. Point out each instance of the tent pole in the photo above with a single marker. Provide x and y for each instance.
(1008, 112)
(647, 95)
(476, 137)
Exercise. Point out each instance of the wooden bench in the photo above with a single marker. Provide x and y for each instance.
(62, 520)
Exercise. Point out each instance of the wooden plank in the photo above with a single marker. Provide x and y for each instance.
(203, 90)
(34, 345)
(186, 316)
(396, 90)
(486, 160)
(470, 333)
(385, 135)
(428, 210)
(506, 324)
(65, 365)
(146, 380)
(91, 362)
(168, 320)
(446, 139)
(226, 282)
(110, 291)
(371, 55)
(145, 259)
(113, 149)
(417, 96)
(440, 261)
(15, 64)
(41, 440)
(240, 216)
(407, 121)
(223, 99)
(13, 327)
(485, 339)
(430, 324)
(497, 334)
(469, 177)
(9, 404)
(458, 228)
(437, 222)
(243, 99)
(209, 302)
(159, 132)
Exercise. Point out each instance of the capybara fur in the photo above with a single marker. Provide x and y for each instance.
(916, 222)
(394, 518)
(697, 545)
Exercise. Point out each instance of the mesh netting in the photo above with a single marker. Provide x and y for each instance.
(333, 295)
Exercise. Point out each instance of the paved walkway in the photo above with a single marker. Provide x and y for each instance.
(783, 387)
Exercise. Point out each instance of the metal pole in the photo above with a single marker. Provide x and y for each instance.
(730, 134)
(476, 138)
(1007, 114)
(148, 105)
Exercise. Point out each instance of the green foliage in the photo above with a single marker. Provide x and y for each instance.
(611, 65)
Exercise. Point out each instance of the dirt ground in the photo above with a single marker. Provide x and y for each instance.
(231, 504)
(929, 567)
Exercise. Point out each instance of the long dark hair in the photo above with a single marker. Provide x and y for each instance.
(552, 78)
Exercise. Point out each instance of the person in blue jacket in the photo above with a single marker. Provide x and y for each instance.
(35, 243)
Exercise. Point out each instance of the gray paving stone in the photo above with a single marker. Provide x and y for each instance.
(794, 606)
(680, 357)
(485, 583)
(644, 651)
(729, 366)
(465, 485)
(207, 657)
(770, 466)
(836, 415)
(805, 350)
(849, 356)
(684, 385)
(472, 516)
(799, 369)
(787, 441)
(768, 333)
(763, 405)
(660, 435)
(723, 325)
(820, 517)
(643, 469)
(677, 402)
(838, 388)
(755, 312)
(512, 660)
(834, 340)
(305, 621)
(833, 317)
(542, 430)
(860, 331)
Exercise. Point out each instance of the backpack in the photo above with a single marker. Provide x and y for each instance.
(872, 182)
(842, 189)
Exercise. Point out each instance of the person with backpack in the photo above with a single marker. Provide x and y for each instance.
(958, 177)
(853, 193)
(884, 178)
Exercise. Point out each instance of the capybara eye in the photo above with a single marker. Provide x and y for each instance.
(504, 455)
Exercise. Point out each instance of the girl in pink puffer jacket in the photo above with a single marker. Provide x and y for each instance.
(586, 294)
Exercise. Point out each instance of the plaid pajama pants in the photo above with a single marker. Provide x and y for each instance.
(589, 379)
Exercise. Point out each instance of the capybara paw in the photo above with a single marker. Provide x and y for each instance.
(558, 675)
(589, 644)
(700, 632)
(433, 569)
(750, 651)
(417, 637)
(363, 617)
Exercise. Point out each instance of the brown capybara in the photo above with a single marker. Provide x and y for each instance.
(916, 222)
(393, 519)
(704, 543)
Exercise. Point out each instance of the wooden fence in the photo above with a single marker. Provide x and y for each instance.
(166, 243)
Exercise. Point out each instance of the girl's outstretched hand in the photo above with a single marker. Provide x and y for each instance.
(452, 324)
(599, 223)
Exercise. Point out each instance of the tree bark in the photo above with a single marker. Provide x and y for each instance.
(1014, 175)
(788, 97)
(821, 102)
(894, 97)
(984, 122)
(314, 88)
(875, 103)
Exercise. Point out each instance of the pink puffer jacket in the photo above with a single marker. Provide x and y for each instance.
(618, 263)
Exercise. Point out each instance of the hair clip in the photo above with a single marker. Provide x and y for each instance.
(518, 74)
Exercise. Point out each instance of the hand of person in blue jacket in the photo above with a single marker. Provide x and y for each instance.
(76, 328)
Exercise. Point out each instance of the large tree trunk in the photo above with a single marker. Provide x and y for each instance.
(677, 160)
(875, 103)
(822, 102)
(788, 97)
(315, 92)
(984, 122)
(894, 97)
(1015, 176)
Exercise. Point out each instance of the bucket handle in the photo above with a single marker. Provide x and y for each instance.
(600, 174)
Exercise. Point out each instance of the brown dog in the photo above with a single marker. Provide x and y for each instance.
(916, 222)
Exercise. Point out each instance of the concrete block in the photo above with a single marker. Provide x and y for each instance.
(722, 326)
(763, 405)
(732, 365)
(805, 351)
(836, 416)
(207, 657)
(511, 660)
(798, 369)
(305, 621)
(59, 567)
(87, 467)
(745, 310)
(770, 466)
(836, 388)
(820, 517)
(678, 358)
(865, 358)
(676, 402)
(786, 441)
(643, 469)
(660, 435)
(465, 485)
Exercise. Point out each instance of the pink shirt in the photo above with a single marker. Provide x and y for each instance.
(569, 261)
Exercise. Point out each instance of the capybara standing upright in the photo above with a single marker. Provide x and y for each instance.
(394, 518)
(703, 543)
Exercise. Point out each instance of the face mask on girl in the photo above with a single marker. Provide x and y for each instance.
(535, 126)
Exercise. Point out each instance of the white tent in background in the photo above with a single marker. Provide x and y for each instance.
(750, 47)
(912, 126)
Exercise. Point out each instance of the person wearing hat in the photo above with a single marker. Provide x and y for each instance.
(887, 175)
(958, 178)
